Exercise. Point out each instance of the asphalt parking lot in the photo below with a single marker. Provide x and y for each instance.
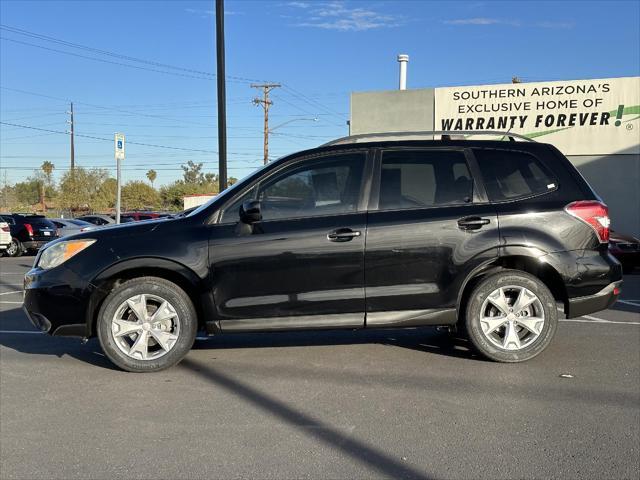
(366, 404)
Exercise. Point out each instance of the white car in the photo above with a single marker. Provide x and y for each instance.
(5, 236)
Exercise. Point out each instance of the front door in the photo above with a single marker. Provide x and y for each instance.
(302, 266)
(431, 226)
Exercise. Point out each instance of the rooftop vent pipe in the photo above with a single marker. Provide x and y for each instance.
(403, 60)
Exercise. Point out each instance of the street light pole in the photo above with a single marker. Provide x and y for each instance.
(222, 97)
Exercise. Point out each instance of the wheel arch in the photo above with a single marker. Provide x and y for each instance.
(520, 261)
(179, 274)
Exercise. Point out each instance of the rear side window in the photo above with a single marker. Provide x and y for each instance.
(423, 178)
(510, 175)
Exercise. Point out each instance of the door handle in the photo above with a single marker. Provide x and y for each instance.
(472, 223)
(342, 235)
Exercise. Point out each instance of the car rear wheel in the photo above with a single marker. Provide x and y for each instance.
(15, 248)
(147, 324)
(511, 316)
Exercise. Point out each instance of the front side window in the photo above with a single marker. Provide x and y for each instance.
(509, 174)
(423, 179)
(326, 186)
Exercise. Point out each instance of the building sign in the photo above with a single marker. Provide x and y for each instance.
(580, 117)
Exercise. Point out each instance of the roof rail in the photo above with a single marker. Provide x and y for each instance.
(420, 135)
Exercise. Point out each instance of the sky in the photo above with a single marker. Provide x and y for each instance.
(147, 69)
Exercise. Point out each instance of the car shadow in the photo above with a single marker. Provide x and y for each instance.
(427, 340)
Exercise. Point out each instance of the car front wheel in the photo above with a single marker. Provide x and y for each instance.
(147, 324)
(511, 316)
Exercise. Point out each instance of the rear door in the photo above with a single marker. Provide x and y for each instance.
(429, 226)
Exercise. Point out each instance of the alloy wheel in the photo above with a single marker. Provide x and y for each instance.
(145, 327)
(12, 249)
(512, 317)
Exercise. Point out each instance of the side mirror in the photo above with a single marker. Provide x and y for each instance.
(250, 212)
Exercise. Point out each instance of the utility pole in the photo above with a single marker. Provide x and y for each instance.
(266, 103)
(73, 161)
(222, 97)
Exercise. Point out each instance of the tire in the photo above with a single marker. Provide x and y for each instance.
(524, 333)
(117, 316)
(14, 249)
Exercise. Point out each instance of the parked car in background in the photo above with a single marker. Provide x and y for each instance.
(98, 219)
(70, 226)
(5, 236)
(28, 232)
(144, 215)
(486, 237)
(626, 249)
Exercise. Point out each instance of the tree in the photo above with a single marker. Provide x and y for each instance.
(172, 195)
(193, 174)
(79, 188)
(137, 195)
(47, 169)
(152, 175)
(105, 197)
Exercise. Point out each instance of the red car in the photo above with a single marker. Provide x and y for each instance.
(626, 249)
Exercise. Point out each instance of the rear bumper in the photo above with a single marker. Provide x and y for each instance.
(594, 303)
(37, 244)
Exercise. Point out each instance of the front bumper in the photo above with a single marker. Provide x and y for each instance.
(602, 300)
(56, 301)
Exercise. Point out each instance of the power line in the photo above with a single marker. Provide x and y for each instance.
(59, 41)
(111, 140)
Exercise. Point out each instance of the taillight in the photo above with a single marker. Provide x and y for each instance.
(29, 229)
(593, 213)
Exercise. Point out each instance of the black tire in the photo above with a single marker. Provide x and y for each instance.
(474, 309)
(15, 248)
(150, 286)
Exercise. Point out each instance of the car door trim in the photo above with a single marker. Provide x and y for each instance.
(301, 322)
(411, 318)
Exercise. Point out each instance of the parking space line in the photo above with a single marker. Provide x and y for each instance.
(11, 273)
(630, 302)
(587, 319)
(11, 293)
(3, 302)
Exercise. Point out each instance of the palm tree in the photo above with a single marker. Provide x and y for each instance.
(152, 175)
(47, 168)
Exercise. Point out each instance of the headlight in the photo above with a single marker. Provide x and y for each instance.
(61, 252)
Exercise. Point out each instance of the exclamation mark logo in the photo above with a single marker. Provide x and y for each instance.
(619, 115)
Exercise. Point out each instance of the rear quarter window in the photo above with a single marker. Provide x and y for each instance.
(510, 175)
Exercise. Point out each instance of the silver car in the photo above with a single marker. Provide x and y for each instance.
(70, 226)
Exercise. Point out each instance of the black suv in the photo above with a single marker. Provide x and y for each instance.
(28, 232)
(491, 237)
